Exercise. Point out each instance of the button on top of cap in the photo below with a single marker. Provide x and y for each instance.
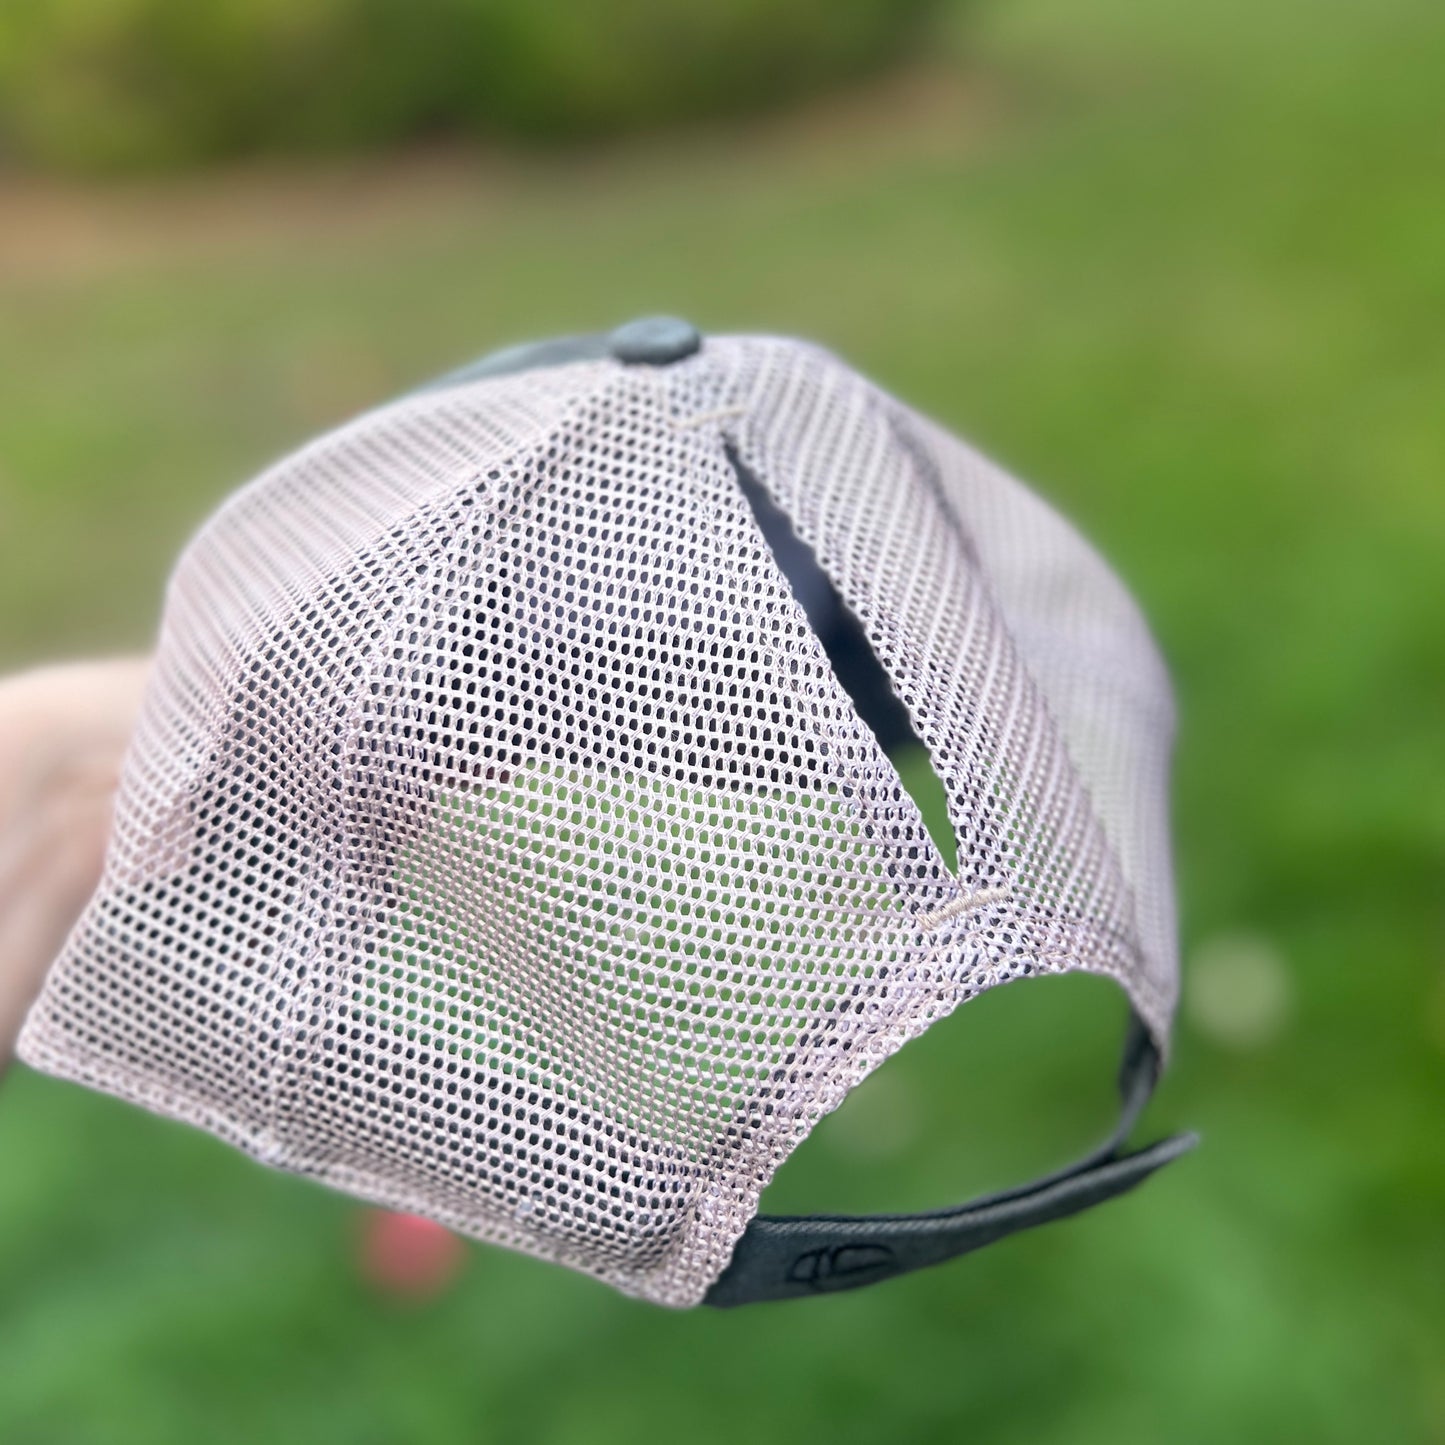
(654, 341)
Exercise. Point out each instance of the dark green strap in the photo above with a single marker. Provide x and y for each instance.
(785, 1257)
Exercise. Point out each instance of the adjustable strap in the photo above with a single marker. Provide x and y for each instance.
(785, 1257)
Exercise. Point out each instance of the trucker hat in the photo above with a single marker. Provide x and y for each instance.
(557, 788)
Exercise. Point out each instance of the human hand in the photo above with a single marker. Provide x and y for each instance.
(63, 732)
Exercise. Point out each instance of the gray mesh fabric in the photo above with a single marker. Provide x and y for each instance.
(498, 844)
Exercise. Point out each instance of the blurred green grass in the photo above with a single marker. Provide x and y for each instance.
(1184, 269)
(112, 86)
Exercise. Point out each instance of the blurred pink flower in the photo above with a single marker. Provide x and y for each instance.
(408, 1257)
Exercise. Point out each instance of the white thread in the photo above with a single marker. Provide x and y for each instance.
(722, 413)
(964, 903)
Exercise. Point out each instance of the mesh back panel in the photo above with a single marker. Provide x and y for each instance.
(498, 844)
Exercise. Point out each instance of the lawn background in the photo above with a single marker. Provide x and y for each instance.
(1184, 268)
